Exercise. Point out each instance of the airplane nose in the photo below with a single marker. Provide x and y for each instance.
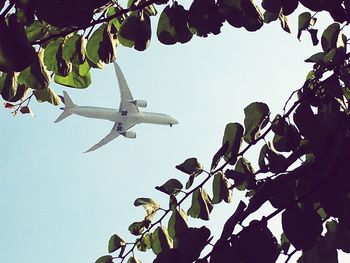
(175, 121)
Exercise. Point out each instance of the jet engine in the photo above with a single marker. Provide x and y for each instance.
(139, 103)
(129, 134)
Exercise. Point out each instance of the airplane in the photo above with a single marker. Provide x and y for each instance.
(125, 118)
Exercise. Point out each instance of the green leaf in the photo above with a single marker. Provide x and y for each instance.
(137, 228)
(221, 189)
(256, 117)
(190, 166)
(331, 37)
(177, 222)
(69, 47)
(48, 95)
(105, 259)
(190, 181)
(133, 260)
(36, 31)
(233, 134)
(144, 243)
(93, 46)
(115, 242)
(303, 22)
(170, 187)
(150, 206)
(161, 240)
(79, 77)
(315, 58)
(119, 19)
(270, 17)
(50, 54)
(201, 205)
(285, 244)
(243, 175)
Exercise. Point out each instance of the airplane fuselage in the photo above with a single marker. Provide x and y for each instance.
(115, 115)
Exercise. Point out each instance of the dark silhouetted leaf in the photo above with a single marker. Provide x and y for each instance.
(331, 37)
(302, 226)
(170, 187)
(190, 166)
(191, 242)
(219, 154)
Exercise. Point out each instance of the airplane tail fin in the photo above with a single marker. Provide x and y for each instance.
(68, 106)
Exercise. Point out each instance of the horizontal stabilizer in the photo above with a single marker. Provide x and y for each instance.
(68, 107)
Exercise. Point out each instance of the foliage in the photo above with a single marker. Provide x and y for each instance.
(302, 169)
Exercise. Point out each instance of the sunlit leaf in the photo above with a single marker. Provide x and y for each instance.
(93, 46)
(161, 240)
(48, 95)
(256, 117)
(177, 222)
(233, 134)
(115, 242)
(201, 205)
(221, 189)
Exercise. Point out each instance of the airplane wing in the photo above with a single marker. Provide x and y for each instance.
(110, 136)
(125, 94)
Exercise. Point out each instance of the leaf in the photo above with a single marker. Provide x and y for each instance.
(26, 110)
(256, 116)
(168, 256)
(150, 206)
(330, 37)
(105, 259)
(256, 239)
(190, 166)
(201, 205)
(305, 120)
(48, 95)
(191, 242)
(119, 19)
(145, 242)
(50, 54)
(303, 22)
(285, 244)
(243, 175)
(289, 141)
(170, 187)
(219, 154)
(284, 22)
(161, 240)
(270, 17)
(133, 260)
(221, 189)
(69, 47)
(302, 226)
(115, 242)
(137, 228)
(36, 31)
(316, 57)
(190, 181)
(233, 134)
(79, 77)
(313, 34)
(320, 253)
(93, 46)
(177, 222)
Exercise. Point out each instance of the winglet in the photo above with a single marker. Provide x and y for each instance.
(68, 107)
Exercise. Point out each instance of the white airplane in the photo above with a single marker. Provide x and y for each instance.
(125, 118)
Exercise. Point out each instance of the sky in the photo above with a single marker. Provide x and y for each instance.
(60, 205)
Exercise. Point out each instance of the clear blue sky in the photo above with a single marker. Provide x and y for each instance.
(60, 205)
